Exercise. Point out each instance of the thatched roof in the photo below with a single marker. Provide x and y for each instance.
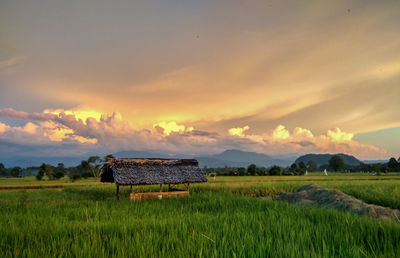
(152, 171)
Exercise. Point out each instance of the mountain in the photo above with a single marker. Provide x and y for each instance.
(151, 154)
(375, 161)
(229, 158)
(323, 159)
(238, 158)
(30, 161)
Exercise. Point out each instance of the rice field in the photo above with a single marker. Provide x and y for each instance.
(222, 218)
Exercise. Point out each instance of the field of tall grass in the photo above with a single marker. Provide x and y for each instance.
(220, 218)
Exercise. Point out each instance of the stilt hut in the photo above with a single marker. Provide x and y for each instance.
(142, 171)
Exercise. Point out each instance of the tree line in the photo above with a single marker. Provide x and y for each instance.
(336, 163)
(92, 168)
(87, 168)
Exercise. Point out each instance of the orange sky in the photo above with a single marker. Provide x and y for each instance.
(278, 77)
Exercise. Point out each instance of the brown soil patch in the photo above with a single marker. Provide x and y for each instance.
(315, 195)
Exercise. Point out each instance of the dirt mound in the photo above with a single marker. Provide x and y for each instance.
(315, 195)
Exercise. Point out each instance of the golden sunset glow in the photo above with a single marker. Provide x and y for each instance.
(339, 136)
(238, 131)
(280, 132)
(277, 77)
(82, 114)
(169, 127)
(3, 128)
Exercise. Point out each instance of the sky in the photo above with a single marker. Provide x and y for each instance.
(198, 77)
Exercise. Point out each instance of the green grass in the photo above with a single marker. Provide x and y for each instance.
(219, 219)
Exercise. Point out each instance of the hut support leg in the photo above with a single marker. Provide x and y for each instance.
(188, 189)
(160, 188)
(117, 192)
(169, 187)
(131, 189)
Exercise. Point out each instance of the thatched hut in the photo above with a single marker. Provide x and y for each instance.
(141, 171)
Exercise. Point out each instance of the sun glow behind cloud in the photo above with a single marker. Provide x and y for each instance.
(280, 132)
(302, 140)
(276, 70)
(168, 127)
(112, 132)
(239, 131)
(339, 136)
(82, 114)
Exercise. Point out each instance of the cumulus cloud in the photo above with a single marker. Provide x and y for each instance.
(298, 131)
(168, 127)
(302, 140)
(3, 128)
(280, 132)
(239, 131)
(110, 132)
(338, 136)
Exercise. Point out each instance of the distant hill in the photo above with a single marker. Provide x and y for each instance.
(375, 161)
(323, 159)
(238, 158)
(149, 154)
(30, 161)
(229, 158)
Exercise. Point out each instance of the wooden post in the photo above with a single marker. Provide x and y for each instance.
(117, 191)
(160, 188)
(169, 187)
(131, 189)
(188, 189)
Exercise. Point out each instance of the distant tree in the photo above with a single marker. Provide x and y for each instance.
(95, 163)
(47, 170)
(323, 167)
(252, 169)
(293, 168)
(241, 171)
(231, 172)
(59, 171)
(40, 174)
(3, 170)
(84, 169)
(365, 167)
(16, 171)
(275, 171)
(261, 171)
(336, 163)
(74, 176)
(312, 166)
(286, 172)
(393, 165)
(302, 166)
(377, 167)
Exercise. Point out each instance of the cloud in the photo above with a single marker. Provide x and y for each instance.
(235, 72)
(56, 128)
(112, 133)
(298, 131)
(3, 128)
(338, 136)
(9, 112)
(30, 128)
(239, 131)
(168, 127)
(302, 141)
(78, 113)
(7, 63)
(280, 132)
